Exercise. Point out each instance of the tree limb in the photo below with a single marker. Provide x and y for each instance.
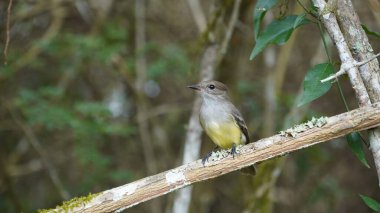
(7, 31)
(344, 69)
(328, 19)
(145, 189)
(370, 72)
(354, 43)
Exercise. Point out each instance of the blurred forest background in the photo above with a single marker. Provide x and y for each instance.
(94, 96)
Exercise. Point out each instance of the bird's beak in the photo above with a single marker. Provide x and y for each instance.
(195, 87)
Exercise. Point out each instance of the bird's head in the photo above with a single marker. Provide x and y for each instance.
(211, 89)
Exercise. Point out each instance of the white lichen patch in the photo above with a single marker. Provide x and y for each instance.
(314, 122)
(175, 176)
(218, 155)
(223, 153)
(119, 192)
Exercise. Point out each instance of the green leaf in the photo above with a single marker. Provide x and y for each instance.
(261, 8)
(312, 86)
(354, 141)
(371, 203)
(278, 32)
(370, 32)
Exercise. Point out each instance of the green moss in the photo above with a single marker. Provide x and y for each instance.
(71, 204)
(314, 122)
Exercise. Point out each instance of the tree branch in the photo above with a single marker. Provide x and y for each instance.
(7, 31)
(145, 189)
(362, 51)
(198, 15)
(344, 69)
(328, 19)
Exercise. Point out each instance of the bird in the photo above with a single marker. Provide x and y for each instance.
(220, 119)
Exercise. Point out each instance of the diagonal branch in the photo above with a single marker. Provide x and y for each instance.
(330, 22)
(145, 189)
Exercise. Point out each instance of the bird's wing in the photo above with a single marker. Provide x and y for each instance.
(240, 122)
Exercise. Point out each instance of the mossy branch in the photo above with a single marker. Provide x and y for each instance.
(314, 132)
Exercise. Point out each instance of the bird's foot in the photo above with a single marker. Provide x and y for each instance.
(206, 157)
(233, 151)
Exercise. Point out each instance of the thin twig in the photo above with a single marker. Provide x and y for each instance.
(230, 29)
(58, 15)
(347, 66)
(7, 38)
(367, 60)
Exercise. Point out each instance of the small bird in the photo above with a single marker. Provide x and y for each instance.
(220, 119)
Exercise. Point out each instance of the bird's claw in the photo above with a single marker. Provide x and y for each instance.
(233, 151)
(205, 158)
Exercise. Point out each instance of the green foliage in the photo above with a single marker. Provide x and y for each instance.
(171, 60)
(88, 123)
(261, 8)
(355, 143)
(312, 86)
(371, 203)
(308, 158)
(121, 175)
(277, 32)
(328, 191)
(68, 47)
(370, 32)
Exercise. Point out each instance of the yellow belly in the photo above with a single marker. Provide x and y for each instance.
(224, 134)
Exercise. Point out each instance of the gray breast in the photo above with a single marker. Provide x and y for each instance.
(214, 111)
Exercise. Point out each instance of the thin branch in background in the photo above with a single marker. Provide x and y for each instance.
(270, 102)
(150, 159)
(141, 103)
(35, 143)
(58, 14)
(374, 6)
(198, 15)
(7, 31)
(229, 31)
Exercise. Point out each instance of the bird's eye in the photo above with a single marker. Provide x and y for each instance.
(211, 86)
